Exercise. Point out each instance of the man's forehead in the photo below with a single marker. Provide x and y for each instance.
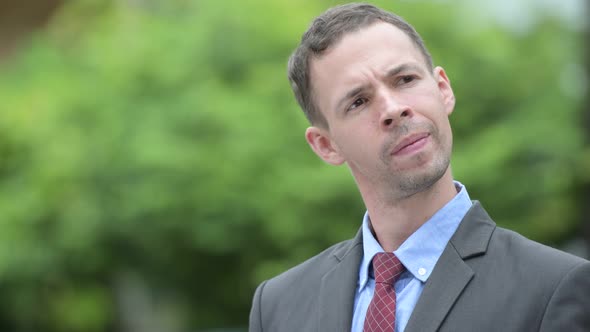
(391, 45)
(356, 41)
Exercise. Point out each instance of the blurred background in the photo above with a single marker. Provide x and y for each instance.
(153, 168)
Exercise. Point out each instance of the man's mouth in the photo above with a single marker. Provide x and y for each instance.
(410, 144)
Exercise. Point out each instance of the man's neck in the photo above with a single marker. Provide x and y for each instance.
(393, 222)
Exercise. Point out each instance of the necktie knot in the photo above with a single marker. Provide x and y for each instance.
(387, 268)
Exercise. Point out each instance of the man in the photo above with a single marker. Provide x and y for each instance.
(426, 258)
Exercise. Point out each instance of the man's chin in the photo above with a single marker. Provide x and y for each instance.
(419, 179)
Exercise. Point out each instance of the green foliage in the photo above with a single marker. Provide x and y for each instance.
(154, 148)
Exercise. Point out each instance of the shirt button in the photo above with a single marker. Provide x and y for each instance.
(421, 271)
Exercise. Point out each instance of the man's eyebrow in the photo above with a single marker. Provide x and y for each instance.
(404, 67)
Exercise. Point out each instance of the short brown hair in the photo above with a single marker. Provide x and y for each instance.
(325, 31)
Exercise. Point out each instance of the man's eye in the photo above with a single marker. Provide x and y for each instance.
(357, 103)
(407, 79)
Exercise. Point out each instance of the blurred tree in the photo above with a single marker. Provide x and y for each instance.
(153, 167)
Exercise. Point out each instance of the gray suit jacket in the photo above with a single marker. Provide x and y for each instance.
(487, 279)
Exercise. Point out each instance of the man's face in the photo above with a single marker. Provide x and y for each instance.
(387, 112)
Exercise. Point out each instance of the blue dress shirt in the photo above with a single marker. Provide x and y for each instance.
(419, 253)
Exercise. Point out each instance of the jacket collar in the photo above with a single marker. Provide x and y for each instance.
(336, 295)
(451, 274)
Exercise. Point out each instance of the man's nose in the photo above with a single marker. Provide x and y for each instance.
(393, 112)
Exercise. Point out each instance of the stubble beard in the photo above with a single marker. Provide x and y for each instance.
(411, 183)
(406, 183)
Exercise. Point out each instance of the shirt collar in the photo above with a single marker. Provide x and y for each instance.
(420, 252)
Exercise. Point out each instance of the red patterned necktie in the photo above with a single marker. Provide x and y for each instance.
(381, 312)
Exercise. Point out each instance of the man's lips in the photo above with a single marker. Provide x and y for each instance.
(408, 144)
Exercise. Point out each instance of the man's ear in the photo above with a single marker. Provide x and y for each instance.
(320, 142)
(444, 86)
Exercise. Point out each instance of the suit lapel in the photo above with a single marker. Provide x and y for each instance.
(336, 296)
(445, 284)
(452, 274)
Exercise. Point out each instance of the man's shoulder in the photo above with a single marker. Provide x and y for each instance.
(479, 236)
(533, 262)
(289, 296)
(535, 279)
(524, 248)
